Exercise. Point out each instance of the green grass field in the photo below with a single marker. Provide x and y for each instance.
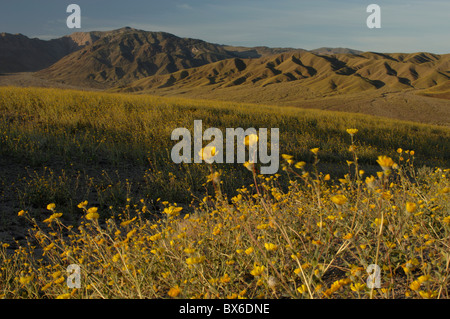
(151, 228)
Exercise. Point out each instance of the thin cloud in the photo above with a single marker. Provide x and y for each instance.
(184, 6)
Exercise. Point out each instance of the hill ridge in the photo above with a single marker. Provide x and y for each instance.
(324, 74)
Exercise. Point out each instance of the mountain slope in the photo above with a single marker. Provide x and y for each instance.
(127, 54)
(328, 50)
(103, 59)
(19, 53)
(317, 74)
(257, 52)
(386, 85)
(119, 57)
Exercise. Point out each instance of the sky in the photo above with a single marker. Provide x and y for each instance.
(406, 25)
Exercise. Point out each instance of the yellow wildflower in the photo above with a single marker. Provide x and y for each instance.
(52, 218)
(300, 165)
(26, 279)
(92, 213)
(131, 233)
(357, 287)
(56, 274)
(51, 206)
(217, 229)
(172, 210)
(83, 204)
(127, 222)
(257, 271)
(174, 291)
(155, 237)
(302, 289)
(44, 288)
(249, 250)
(207, 153)
(446, 220)
(370, 181)
(116, 257)
(287, 157)
(348, 236)
(352, 131)
(415, 285)
(423, 279)
(249, 166)
(195, 260)
(411, 207)
(385, 162)
(214, 177)
(335, 286)
(165, 274)
(339, 199)
(270, 246)
(390, 244)
(251, 139)
(49, 247)
(427, 294)
(225, 279)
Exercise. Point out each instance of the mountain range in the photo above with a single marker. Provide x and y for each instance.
(131, 60)
(117, 56)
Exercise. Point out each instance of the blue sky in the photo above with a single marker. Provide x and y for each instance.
(406, 26)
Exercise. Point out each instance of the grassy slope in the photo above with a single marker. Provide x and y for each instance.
(312, 239)
(91, 132)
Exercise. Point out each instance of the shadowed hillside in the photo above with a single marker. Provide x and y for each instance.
(128, 54)
(19, 53)
(318, 74)
(122, 56)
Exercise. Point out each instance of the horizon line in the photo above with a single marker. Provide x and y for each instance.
(55, 37)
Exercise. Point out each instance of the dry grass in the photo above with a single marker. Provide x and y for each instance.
(314, 241)
(158, 230)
